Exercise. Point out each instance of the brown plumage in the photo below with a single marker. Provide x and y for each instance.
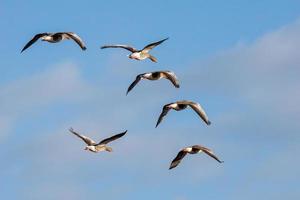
(181, 105)
(138, 54)
(101, 146)
(155, 76)
(54, 38)
(192, 150)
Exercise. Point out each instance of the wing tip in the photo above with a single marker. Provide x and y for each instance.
(156, 124)
(23, 50)
(208, 122)
(123, 133)
(171, 167)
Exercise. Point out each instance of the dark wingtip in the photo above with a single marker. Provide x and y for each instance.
(171, 167)
(103, 47)
(127, 92)
(156, 125)
(83, 48)
(208, 122)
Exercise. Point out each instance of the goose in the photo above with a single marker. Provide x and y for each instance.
(54, 38)
(97, 147)
(152, 76)
(192, 150)
(181, 105)
(138, 54)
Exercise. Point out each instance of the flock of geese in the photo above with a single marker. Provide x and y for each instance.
(137, 55)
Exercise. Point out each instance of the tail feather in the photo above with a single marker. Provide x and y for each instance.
(109, 149)
(152, 58)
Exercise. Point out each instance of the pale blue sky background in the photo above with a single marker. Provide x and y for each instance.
(238, 59)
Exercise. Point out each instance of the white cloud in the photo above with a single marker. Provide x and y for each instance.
(61, 83)
(262, 77)
(256, 89)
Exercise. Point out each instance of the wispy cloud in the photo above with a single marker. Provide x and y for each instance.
(261, 76)
(60, 83)
(249, 83)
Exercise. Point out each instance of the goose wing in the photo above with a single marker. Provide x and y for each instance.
(77, 39)
(208, 152)
(33, 40)
(178, 159)
(87, 140)
(200, 111)
(147, 48)
(137, 79)
(110, 139)
(172, 77)
(129, 48)
(164, 112)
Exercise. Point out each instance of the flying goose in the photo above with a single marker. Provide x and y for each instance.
(97, 147)
(192, 150)
(54, 38)
(181, 105)
(152, 76)
(138, 54)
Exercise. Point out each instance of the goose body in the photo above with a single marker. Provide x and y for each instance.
(192, 150)
(54, 38)
(97, 147)
(152, 76)
(138, 54)
(181, 105)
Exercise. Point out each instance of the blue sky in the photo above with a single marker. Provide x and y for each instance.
(238, 59)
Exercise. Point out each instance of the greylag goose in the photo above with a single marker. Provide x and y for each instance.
(54, 38)
(192, 150)
(97, 147)
(181, 105)
(138, 54)
(155, 76)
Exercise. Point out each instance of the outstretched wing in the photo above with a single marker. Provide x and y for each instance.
(129, 48)
(77, 39)
(164, 112)
(200, 111)
(107, 140)
(33, 40)
(178, 159)
(137, 79)
(147, 48)
(208, 152)
(172, 77)
(87, 140)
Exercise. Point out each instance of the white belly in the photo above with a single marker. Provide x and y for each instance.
(138, 56)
